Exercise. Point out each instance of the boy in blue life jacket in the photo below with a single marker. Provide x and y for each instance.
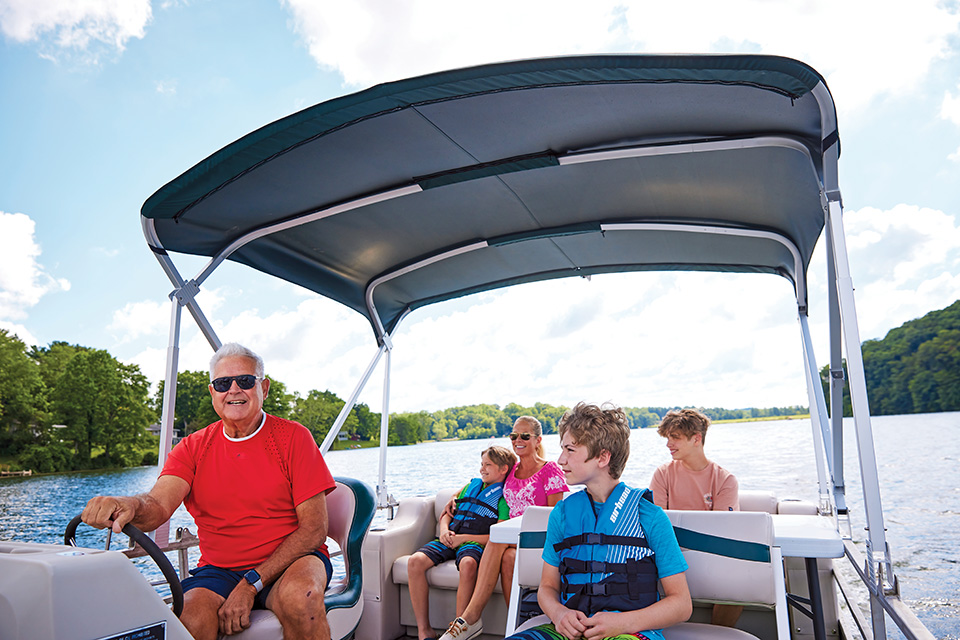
(480, 504)
(607, 545)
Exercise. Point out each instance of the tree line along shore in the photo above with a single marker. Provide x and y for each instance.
(67, 407)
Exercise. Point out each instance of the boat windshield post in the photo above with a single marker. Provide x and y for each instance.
(818, 415)
(880, 567)
(351, 401)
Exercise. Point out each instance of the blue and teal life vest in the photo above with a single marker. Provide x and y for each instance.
(605, 561)
(478, 509)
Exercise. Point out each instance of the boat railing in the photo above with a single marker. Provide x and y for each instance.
(888, 598)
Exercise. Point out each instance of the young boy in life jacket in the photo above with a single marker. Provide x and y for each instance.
(480, 504)
(607, 545)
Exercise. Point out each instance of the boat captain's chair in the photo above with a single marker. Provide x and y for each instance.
(350, 509)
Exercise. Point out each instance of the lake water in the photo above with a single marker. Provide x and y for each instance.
(917, 457)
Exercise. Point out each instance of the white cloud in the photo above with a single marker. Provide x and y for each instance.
(166, 87)
(369, 41)
(152, 318)
(20, 331)
(950, 107)
(23, 280)
(904, 262)
(138, 319)
(317, 345)
(74, 26)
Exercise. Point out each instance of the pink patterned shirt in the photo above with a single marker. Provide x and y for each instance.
(534, 490)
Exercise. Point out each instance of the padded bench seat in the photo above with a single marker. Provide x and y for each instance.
(443, 580)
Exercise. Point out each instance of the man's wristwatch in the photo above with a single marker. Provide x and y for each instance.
(254, 578)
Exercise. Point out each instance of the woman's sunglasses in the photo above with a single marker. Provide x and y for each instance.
(245, 382)
(522, 436)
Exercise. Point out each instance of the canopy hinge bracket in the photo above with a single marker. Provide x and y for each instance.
(186, 294)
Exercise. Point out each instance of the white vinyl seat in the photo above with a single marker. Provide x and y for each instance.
(731, 558)
(443, 581)
(529, 563)
(350, 509)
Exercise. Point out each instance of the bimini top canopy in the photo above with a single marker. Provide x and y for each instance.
(430, 188)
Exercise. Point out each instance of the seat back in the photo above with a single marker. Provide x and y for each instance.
(732, 559)
(350, 510)
(729, 554)
(758, 500)
(533, 534)
(443, 497)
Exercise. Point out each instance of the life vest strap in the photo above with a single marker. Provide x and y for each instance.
(600, 538)
(572, 565)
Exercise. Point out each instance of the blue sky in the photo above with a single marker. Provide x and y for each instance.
(104, 102)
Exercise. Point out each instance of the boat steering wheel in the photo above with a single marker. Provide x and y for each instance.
(161, 560)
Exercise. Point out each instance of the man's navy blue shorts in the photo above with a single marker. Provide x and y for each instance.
(222, 581)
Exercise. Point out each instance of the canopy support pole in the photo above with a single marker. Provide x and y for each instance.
(836, 382)
(162, 534)
(183, 295)
(879, 568)
(351, 402)
(818, 415)
(384, 499)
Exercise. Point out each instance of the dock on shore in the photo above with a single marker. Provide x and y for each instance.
(12, 474)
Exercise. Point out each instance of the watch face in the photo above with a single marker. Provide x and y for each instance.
(252, 576)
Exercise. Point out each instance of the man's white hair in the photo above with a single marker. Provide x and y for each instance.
(234, 350)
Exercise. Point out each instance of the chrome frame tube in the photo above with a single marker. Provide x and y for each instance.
(383, 495)
(836, 382)
(880, 566)
(818, 416)
(351, 402)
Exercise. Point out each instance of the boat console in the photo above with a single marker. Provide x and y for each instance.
(57, 592)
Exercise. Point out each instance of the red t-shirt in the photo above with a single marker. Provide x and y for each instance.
(244, 493)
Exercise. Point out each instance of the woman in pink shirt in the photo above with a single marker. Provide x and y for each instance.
(532, 481)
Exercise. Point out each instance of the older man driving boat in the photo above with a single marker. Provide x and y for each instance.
(256, 486)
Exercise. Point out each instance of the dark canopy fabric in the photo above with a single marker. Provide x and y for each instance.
(488, 156)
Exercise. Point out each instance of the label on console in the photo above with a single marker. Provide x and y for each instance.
(155, 631)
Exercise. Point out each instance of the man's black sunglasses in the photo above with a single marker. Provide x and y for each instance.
(245, 381)
(522, 436)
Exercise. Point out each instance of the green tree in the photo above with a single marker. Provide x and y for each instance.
(278, 402)
(935, 383)
(53, 360)
(914, 368)
(22, 394)
(194, 409)
(104, 405)
(404, 428)
(368, 422)
(319, 410)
